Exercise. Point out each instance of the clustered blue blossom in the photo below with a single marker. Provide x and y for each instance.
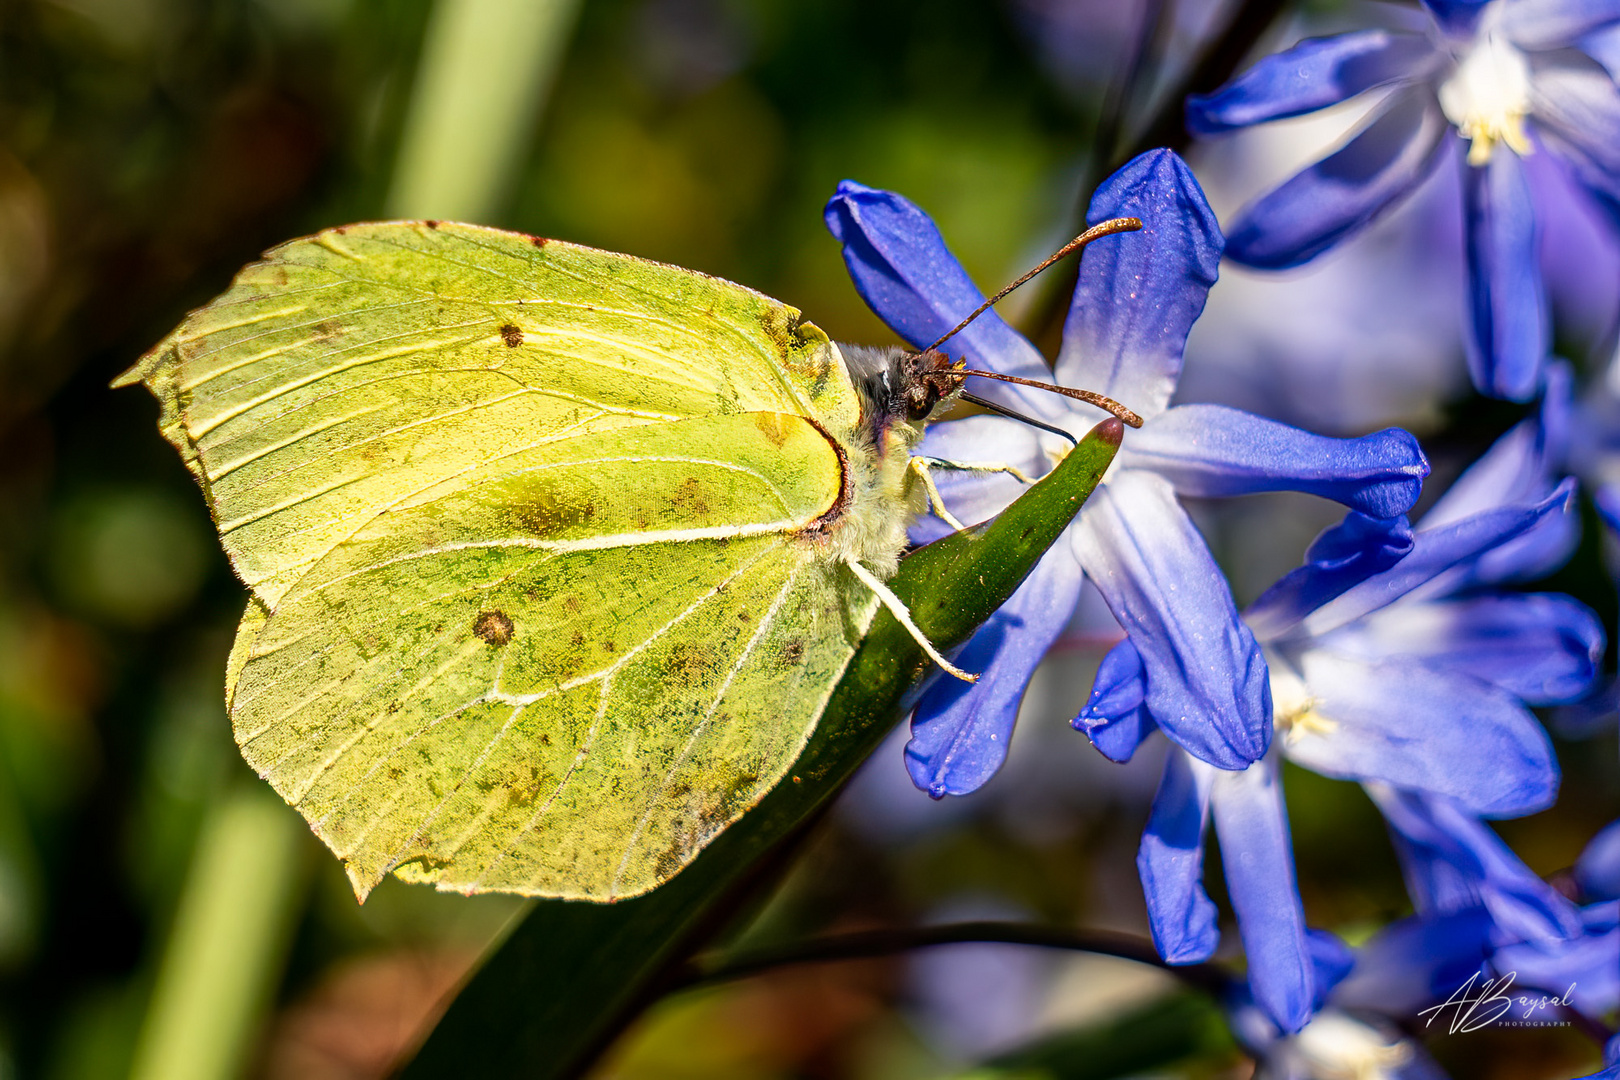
(1510, 78)
(1404, 655)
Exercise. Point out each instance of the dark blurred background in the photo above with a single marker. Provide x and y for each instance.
(149, 148)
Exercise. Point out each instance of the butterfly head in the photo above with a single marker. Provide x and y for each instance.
(899, 387)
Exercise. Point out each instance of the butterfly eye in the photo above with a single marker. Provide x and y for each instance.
(920, 401)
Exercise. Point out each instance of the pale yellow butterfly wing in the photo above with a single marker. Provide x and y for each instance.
(528, 527)
(354, 368)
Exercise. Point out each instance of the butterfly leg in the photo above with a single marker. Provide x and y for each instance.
(897, 608)
(975, 466)
(919, 465)
(922, 465)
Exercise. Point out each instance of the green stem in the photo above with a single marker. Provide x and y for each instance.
(868, 944)
(485, 70)
(226, 948)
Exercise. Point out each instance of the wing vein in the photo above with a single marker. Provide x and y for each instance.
(601, 712)
(697, 732)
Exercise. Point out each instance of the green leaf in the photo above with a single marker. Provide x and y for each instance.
(569, 977)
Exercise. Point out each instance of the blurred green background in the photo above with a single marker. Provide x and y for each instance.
(160, 911)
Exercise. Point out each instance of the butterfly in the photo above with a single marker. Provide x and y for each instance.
(554, 555)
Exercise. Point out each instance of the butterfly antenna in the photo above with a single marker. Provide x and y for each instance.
(1096, 232)
(1090, 397)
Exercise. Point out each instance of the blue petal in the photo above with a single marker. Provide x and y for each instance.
(1607, 501)
(1542, 648)
(1454, 861)
(1523, 466)
(1115, 717)
(1508, 329)
(1541, 548)
(1312, 75)
(1331, 961)
(1457, 18)
(1215, 451)
(1591, 715)
(1171, 863)
(1438, 556)
(1598, 868)
(1576, 110)
(1611, 1059)
(1402, 722)
(1555, 413)
(909, 278)
(1259, 863)
(1586, 966)
(1140, 293)
(1542, 24)
(1520, 467)
(1341, 558)
(1345, 191)
(1414, 962)
(1207, 685)
(960, 731)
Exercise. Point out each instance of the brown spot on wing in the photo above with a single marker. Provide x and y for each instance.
(688, 499)
(774, 426)
(512, 336)
(690, 661)
(781, 325)
(799, 354)
(494, 627)
(549, 507)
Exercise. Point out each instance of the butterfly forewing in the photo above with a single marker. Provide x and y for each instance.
(357, 368)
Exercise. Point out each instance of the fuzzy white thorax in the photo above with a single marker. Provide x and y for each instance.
(885, 494)
(1487, 97)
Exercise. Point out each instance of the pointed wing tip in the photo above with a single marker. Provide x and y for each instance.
(146, 369)
(361, 882)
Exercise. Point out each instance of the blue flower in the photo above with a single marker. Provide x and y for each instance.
(1598, 871)
(1392, 663)
(1507, 77)
(1138, 295)
(1486, 928)
(1345, 1037)
(1460, 873)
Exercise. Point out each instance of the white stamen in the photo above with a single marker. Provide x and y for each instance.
(1293, 709)
(1336, 1047)
(1488, 97)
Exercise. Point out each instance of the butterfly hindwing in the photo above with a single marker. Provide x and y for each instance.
(566, 673)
